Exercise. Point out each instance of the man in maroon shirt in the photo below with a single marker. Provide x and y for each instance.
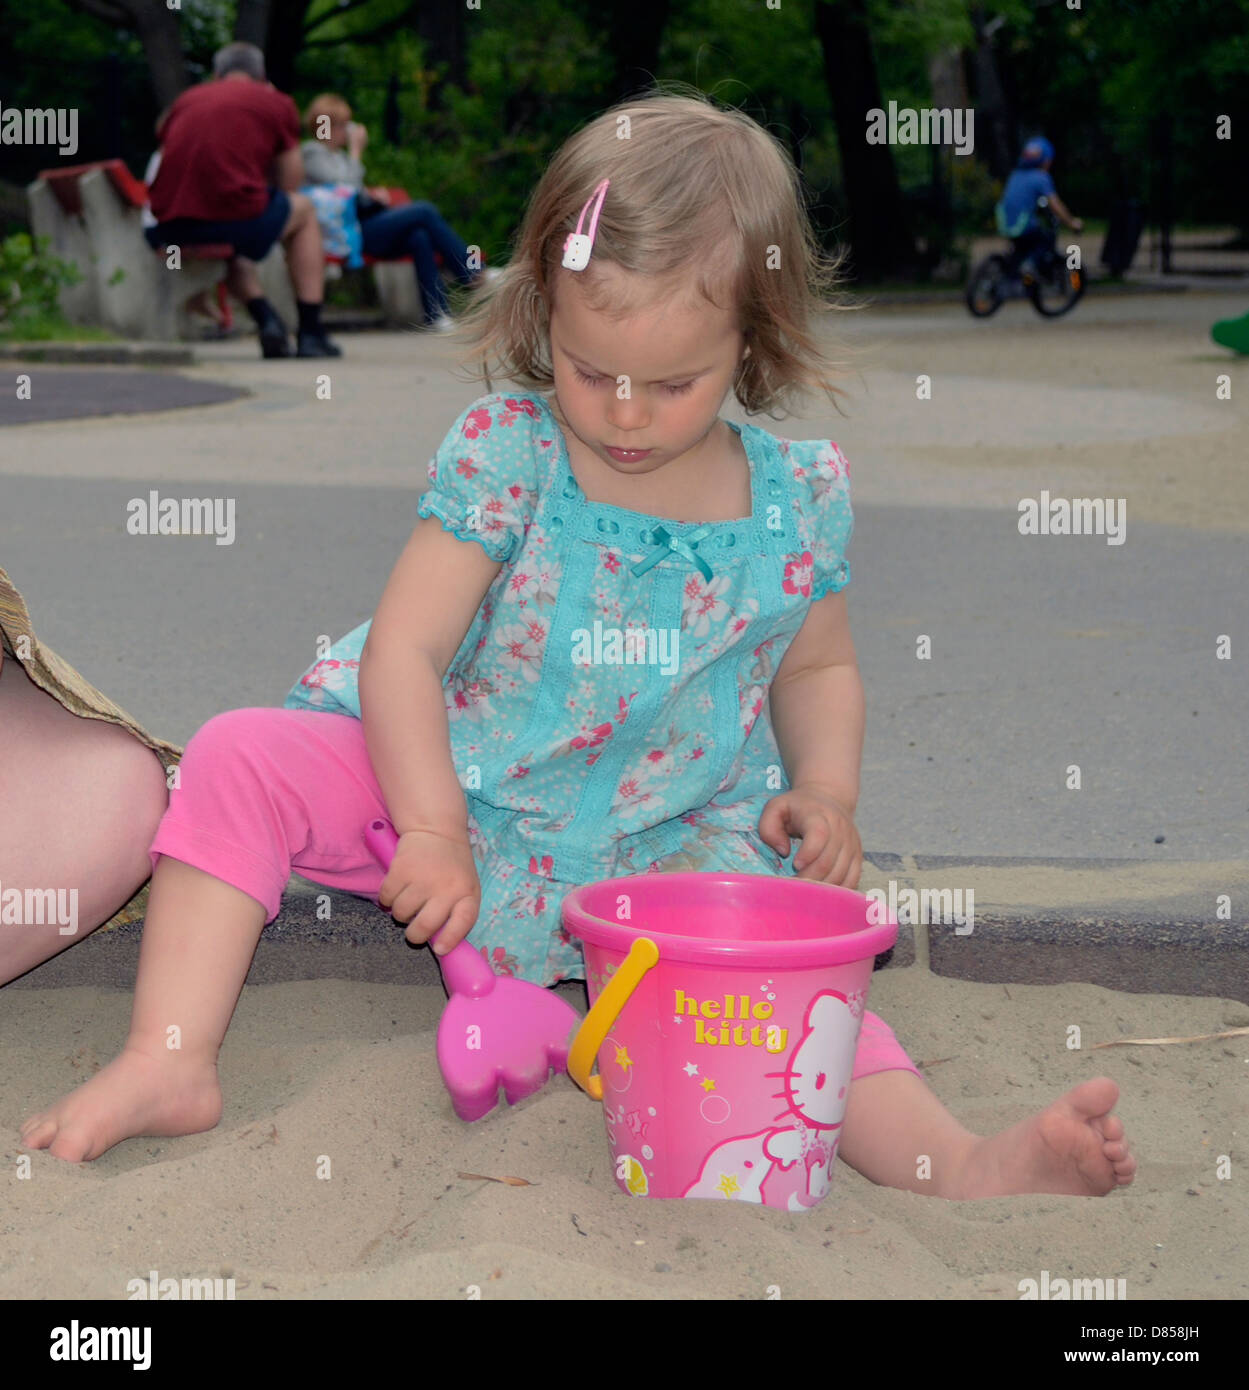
(224, 145)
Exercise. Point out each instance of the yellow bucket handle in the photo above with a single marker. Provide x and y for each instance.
(643, 956)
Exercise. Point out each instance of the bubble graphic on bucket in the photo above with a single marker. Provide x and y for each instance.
(725, 1013)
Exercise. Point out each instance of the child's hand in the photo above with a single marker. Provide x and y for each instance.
(432, 880)
(830, 850)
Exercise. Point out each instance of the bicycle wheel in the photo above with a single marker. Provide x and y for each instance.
(1056, 292)
(984, 289)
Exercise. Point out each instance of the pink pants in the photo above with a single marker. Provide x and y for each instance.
(264, 792)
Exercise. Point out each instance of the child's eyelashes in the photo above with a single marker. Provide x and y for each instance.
(598, 380)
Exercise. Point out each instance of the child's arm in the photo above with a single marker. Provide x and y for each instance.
(1060, 208)
(817, 709)
(817, 704)
(428, 605)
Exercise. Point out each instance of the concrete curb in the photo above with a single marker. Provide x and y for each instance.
(1154, 942)
(1133, 925)
(123, 354)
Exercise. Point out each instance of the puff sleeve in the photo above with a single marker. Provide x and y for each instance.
(822, 478)
(483, 481)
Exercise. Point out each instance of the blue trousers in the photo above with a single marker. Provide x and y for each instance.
(419, 230)
(1037, 242)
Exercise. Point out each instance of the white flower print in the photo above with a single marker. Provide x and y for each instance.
(468, 699)
(329, 677)
(703, 603)
(533, 585)
(752, 702)
(649, 781)
(523, 645)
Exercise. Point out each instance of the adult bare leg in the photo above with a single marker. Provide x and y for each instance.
(243, 280)
(305, 255)
(80, 800)
(305, 262)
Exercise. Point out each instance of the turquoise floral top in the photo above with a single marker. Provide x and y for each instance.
(608, 706)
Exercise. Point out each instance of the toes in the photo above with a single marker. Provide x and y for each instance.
(61, 1140)
(70, 1145)
(38, 1132)
(1094, 1099)
(1112, 1127)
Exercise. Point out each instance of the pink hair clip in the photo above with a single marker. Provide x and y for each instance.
(576, 246)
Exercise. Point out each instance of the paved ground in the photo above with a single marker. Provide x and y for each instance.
(1048, 651)
(77, 393)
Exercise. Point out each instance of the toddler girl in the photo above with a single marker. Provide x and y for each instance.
(615, 643)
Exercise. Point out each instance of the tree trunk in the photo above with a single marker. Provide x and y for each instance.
(634, 34)
(880, 238)
(160, 32)
(440, 26)
(993, 136)
(949, 93)
(284, 41)
(251, 22)
(945, 75)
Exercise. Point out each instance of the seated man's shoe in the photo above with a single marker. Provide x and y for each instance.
(316, 345)
(274, 341)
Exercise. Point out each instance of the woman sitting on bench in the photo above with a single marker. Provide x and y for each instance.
(333, 156)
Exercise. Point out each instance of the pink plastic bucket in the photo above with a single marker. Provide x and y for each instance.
(725, 1012)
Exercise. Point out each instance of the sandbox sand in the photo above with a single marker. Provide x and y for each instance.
(346, 1071)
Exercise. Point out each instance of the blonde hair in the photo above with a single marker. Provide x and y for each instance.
(703, 202)
(326, 104)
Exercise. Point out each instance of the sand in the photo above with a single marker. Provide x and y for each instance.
(345, 1071)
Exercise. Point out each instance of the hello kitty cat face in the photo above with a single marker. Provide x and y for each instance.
(824, 1054)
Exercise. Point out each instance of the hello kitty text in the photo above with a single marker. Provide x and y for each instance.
(753, 1030)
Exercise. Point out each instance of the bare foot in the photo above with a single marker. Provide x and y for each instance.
(132, 1095)
(1074, 1146)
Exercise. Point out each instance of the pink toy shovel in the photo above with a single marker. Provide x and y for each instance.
(495, 1031)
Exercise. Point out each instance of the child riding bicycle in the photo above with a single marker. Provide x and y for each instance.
(1016, 212)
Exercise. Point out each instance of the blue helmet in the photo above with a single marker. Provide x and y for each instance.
(1035, 153)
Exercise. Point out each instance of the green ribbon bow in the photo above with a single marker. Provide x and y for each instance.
(666, 543)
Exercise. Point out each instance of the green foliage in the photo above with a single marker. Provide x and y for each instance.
(974, 193)
(1092, 79)
(477, 159)
(920, 27)
(31, 279)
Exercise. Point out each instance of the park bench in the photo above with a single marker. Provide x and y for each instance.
(92, 215)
